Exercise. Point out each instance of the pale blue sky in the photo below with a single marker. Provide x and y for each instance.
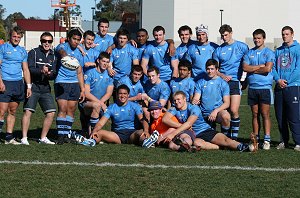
(42, 8)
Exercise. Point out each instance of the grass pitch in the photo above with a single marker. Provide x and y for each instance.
(129, 171)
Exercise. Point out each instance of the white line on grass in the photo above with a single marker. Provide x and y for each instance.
(108, 164)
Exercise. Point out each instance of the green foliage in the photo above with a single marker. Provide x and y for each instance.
(113, 9)
(2, 32)
(10, 19)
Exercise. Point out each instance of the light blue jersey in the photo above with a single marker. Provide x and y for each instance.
(198, 54)
(212, 92)
(123, 117)
(141, 49)
(182, 115)
(65, 75)
(182, 49)
(158, 56)
(135, 89)
(12, 59)
(91, 55)
(230, 58)
(98, 82)
(122, 59)
(103, 42)
(157, 91)
(187, 85)
(287, 64)
(257, 57)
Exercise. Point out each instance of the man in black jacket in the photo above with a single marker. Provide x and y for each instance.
(42, 66)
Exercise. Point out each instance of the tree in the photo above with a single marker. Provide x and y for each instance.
(2, 11)
(75, 11)
(2, 32)
(8, 22)
(113, 9)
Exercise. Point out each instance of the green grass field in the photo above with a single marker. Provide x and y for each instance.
(108, 170)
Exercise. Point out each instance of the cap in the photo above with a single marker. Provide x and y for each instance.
(154, 105)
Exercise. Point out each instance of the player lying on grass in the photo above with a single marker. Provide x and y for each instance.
(190, 116)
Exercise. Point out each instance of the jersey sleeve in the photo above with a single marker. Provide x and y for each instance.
(147, 52)
(88, 77)
(225, 88)
(198, 87)
(108, 111)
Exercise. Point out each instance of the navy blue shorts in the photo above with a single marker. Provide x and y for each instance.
(235, 87)
(260, 96)
(207, 135)
(188, 132)
(14, 91)
(45, 100)
(67, 91)
(125, 134)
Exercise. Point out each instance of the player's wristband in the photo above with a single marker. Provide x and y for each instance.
(29, 86)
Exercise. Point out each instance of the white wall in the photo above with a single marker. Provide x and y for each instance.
(244, 16)
(158, 12)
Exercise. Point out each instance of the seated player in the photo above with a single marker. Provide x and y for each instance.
(155, 88)
(98, 89)
(212, 94)
(181, 142)
(123, 114)
(190, 116)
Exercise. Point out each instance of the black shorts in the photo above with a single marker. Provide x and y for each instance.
(125, 134)
(260, 96)
(207, 135)
(235, 87)
(45, 100)
(67, 91)
(14, 91)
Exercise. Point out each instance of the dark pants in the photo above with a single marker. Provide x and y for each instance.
(287, 110)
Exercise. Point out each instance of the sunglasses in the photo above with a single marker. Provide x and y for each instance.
(45, 41)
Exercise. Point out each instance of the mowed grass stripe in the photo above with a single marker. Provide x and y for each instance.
(152, 166)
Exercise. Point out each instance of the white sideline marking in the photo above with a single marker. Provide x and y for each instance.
(108, 164)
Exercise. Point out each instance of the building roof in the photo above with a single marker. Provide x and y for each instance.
(39, 25)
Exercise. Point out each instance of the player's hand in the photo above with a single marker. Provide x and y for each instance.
(109, 50)
(171, 49)
(168, 138)
(82, 97)
(111, 72)
(28, 93)
(282, 83)
(195, 102)
(213, 116)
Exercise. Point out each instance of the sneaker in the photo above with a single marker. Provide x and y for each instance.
(266, 145)
(280, 146)
(24, 141)
(13, 142)
(183, 144)
(45, 140)
(89, 142)
(148, 142)
(297, 148)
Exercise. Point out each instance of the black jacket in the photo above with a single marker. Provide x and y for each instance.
(36, 60)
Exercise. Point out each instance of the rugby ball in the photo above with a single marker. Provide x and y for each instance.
(70, 62)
